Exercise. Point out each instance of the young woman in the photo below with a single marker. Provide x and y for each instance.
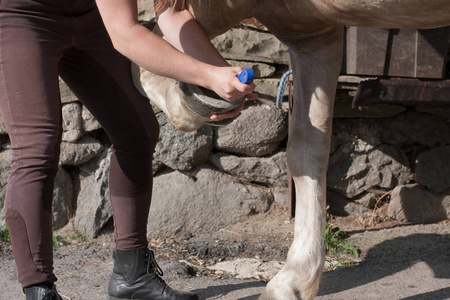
(90, 45)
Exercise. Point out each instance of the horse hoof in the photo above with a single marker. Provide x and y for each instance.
(205, 102)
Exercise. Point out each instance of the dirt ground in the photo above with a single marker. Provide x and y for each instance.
(391, 253)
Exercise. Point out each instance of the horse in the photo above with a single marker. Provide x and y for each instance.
(313, 30)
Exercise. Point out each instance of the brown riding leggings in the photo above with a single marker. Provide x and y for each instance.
(39, 40)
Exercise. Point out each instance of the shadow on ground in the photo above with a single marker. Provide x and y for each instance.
(441, 294)
(393, 256)
(213, 292)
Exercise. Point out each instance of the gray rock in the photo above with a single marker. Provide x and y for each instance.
(352, 173)
(356, 135)
(269, 87)
(72, 125)
(145, 10)
(2, 217)
(260, 70)
(369, 200)
(281, 195)
(341, 206)
(89, 123)
(2, 126)
(413, 128)
(67, 95)
(5, 145)
(93, 204)
(257, 131)
(5, 170)
(157, 166)
(63, 196)
(240, 44)
(182, 150)
(206, 200)
(271, 171)
(438, 110)
(177, 269)
(413, 203)
(246, 268)
(79, 152)
(344, 109)
(406, 130)
(433, 169)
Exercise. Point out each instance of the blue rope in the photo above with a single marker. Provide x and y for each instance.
(281, 88)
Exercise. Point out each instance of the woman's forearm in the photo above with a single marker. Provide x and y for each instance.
(156, 55)
(185, 33)
(145, 48)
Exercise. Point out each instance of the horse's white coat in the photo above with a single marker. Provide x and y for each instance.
(313, 29)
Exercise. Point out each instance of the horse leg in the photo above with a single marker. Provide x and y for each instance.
(315, 73)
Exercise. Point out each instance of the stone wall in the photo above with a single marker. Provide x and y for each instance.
(227, 171)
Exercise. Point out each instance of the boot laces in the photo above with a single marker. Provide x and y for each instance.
(51, 295)
(153, 267)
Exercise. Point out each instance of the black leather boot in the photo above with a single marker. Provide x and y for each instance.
(136, 275)
(44, 291)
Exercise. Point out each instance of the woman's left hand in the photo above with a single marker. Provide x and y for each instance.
(234, 112)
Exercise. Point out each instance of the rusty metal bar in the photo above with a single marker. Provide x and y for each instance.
(402, 91)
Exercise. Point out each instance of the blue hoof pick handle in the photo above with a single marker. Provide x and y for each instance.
(246, 76)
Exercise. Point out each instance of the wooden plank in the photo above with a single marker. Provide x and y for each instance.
(366, 50)
(432, 48)
(396, 52)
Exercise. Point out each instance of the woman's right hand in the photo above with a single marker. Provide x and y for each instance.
(224, 81)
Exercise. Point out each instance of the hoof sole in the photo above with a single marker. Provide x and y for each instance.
(206, 102)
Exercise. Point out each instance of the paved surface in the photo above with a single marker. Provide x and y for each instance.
(406, 262)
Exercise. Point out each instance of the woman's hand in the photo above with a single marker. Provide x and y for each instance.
(229, 114)
(224, 81)
(231, 89)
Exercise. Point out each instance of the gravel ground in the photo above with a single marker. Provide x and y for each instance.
(403, 262)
